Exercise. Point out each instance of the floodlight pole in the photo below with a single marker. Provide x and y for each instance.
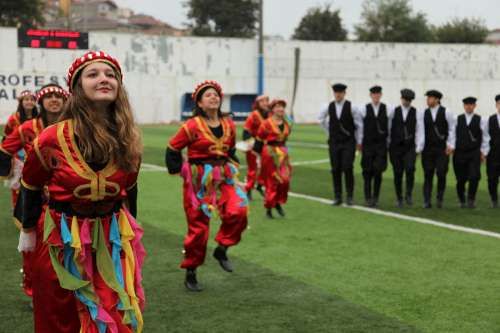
(260, 59)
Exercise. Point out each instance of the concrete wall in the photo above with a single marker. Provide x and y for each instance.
(159, 70)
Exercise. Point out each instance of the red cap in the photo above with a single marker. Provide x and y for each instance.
(51, 89)
(25, 93)
(88, 58)
(204, 84)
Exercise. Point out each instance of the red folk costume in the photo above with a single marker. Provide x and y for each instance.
(12, 173)
(252, 124)
(89, 253)
(276, 165)
(209, 183)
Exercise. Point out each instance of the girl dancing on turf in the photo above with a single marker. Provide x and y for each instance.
(51, 99)
(87, 272)
(26, 110)
(209, 180)
(270, 143)
(255, 118)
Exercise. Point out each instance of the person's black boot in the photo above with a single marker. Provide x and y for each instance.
(220, 253)
(439, 203)
(337, 202)
(269, 213)
(280, 210)
(249, 195)
(427, 205)
(191, 282)
(349, 201)
(399, 203)
(462, 204)
(260, 190)
(471, 204)
(409, 200)
(494, 204)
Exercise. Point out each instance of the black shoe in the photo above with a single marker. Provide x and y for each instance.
(269, 213)
(191, 282)
(374, 203)
(494, 204)
(280, 210)
(249, 195)
(399, 203)
(409, 200)
(349, 201)
(462, 204)
(368, 202)
(471, 204)
(427, 205)
(439, 204)
(260, 190)
(220, 254)
(337, 202)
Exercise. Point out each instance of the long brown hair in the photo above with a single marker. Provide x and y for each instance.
(22, 112)
(104, 137)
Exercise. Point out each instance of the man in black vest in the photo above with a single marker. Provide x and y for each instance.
(342, 123)
(374, 145)
(493, 160)
(471, 148)
(439, 124)
(407, 139)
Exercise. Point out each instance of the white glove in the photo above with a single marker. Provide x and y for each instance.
(27, 241)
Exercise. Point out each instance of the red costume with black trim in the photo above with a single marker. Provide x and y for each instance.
(275, 162)
(209, 184)
(87, 276)
(252, 124)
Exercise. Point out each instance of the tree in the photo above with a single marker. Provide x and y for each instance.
(321, 23)
(392, 21)
(463, 30)
(26, 13)
(224, 18)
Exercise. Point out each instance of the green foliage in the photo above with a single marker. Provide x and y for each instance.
(463, 30)
(26, 13)
(392, 21)
(321, 23)
(223, 18)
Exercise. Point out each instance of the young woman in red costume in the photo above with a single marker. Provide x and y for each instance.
(209, 180)
(26, 110)
(88, 251)
(51, 99)
(252, 124)
(270, 143)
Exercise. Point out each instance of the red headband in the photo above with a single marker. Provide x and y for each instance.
(88, 58)
(49, 90)
(25, 93)
(276, 101)
(208, 83)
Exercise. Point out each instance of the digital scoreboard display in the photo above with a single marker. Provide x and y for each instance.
(52, 39)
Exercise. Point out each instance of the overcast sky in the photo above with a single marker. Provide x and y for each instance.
(282, 16)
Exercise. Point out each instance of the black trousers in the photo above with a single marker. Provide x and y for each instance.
(342, 162)
(435, 162)
(373, 163)
(403, 160)
(467, 167)
(493, 171)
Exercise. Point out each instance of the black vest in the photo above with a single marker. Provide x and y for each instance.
(436, 133)
(469, 138)
(375, 128)
(494, 129)
(403, 131)
(341, 130)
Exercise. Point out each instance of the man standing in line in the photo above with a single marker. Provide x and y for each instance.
(343, 125)
(471, 148)
(374, 145)
(407, 138)
(493, 160)
(439, 125)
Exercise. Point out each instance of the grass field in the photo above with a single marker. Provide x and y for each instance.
(321, 269)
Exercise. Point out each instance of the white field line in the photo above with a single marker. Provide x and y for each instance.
(402, 216)
(156, 168)
(307, 144)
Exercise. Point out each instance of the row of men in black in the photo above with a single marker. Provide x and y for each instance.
(435, 133)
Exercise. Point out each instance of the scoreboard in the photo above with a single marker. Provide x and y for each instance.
(52, 39)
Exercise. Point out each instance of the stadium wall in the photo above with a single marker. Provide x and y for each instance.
(160, 70)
